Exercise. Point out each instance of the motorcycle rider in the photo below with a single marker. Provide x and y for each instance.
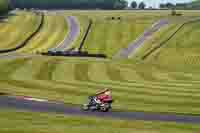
(104, 96)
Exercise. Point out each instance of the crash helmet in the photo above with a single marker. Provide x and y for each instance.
(108, 92)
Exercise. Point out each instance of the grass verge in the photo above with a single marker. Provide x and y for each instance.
(12, 121)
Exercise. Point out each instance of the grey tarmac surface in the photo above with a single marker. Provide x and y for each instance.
(126, 52)
(73, 33)
(20, 103)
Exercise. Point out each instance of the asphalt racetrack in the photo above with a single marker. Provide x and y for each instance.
(126, 52)
(39, 105)
(73, 33)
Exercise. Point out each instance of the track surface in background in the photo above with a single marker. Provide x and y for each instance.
(74, 30)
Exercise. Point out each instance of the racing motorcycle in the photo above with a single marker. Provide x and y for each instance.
(95, 105)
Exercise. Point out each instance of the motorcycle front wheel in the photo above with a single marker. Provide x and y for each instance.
(85, 107)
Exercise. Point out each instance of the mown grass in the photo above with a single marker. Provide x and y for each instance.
(143, 86)
(17, 28)
(182, 49)
(136, 86)
(165, 35)
(154, 41)
(167, 82)
(52, 33)
(12, 121)
(109, 36)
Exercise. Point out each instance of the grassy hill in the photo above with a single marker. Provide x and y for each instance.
(153, 85)
(17, 29)
(109, 36)
(182, 49)
(167, 81)
(53, 31)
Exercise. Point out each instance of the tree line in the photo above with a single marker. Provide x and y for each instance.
(70, 4)
(3, 6)
(184, 6)
(135, 5)
(169, 5)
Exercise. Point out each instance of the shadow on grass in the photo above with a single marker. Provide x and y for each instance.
(3, 94)
(4, 17)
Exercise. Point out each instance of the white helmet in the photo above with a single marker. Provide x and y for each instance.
(108, 93)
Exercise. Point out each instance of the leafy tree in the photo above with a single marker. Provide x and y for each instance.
(120, 4)
(142, 5)
(162, 5)
(4, 5)
(170, 5)
(134, 4)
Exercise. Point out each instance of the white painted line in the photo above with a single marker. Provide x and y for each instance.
(36, 99)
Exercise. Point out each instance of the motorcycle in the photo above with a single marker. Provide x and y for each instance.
(95, 105)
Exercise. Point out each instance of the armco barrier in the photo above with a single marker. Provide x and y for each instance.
(73, 54)
(22, 44)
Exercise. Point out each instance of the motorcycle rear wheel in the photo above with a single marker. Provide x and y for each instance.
(104, 109)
